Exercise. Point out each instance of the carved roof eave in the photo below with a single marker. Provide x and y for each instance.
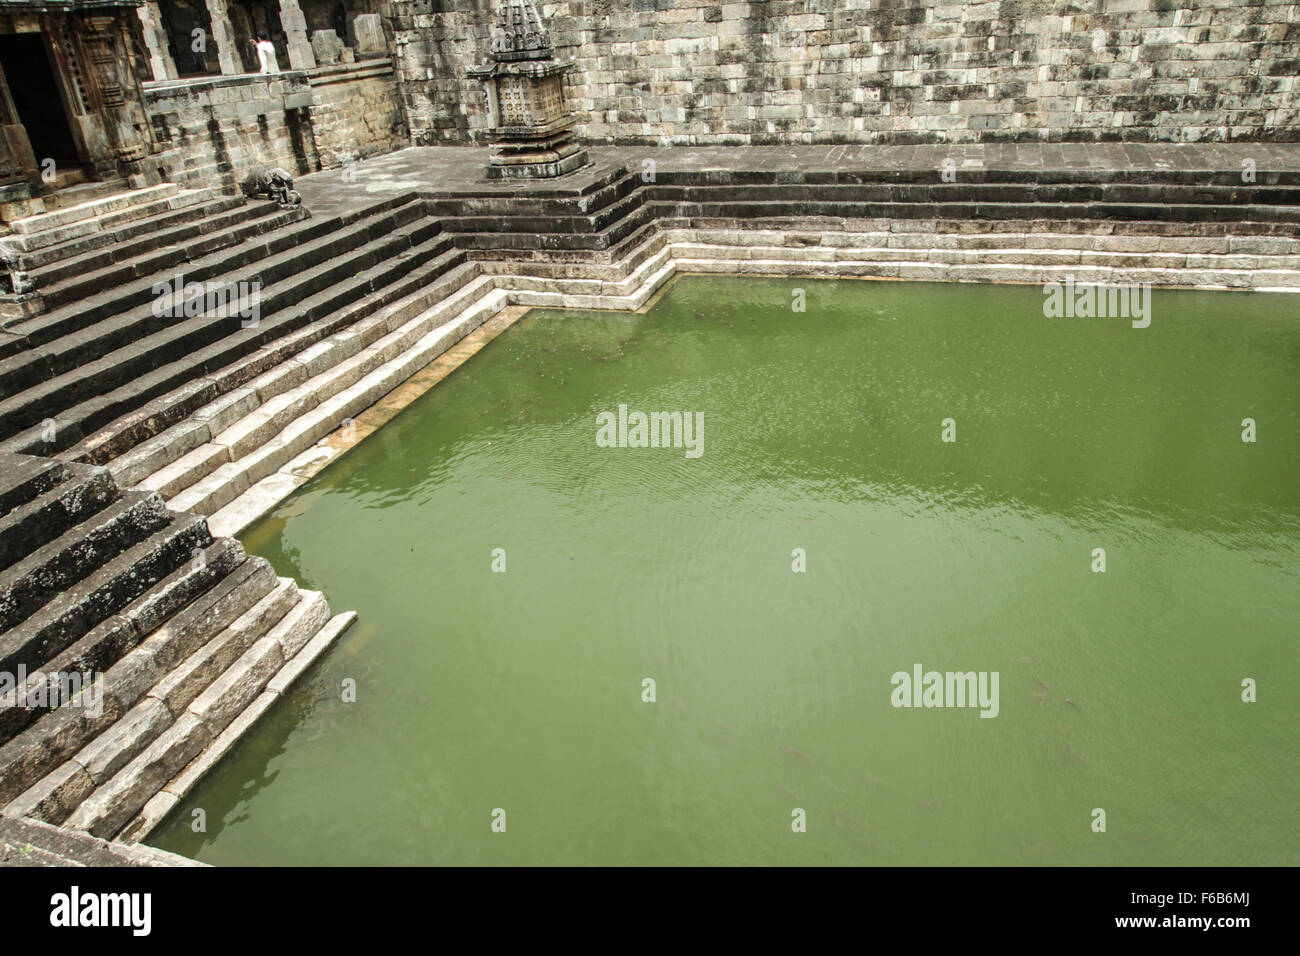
(535, 68)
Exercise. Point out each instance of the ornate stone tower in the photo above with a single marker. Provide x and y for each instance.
(531, 128)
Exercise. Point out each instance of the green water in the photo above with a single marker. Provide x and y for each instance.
(523, 690)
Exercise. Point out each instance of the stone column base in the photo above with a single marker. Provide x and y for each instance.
(536, 165)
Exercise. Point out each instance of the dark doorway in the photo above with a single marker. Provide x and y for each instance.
(36, 97)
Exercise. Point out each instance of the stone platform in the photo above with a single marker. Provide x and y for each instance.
(147, 438)
(458, 170)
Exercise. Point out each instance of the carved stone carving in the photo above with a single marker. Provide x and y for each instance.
(529, 122)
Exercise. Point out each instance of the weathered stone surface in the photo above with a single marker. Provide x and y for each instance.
(369, 31)
(326, 46)
(151, 815)
(301, 624)
(28, 584)
(236, 688)
(21, 839)
(55, 796)
(189, 630)
(691, 71)
(23, 478)
(52, 740)
(130, 678)
(320, 642)
(113, 805)
(189, 678)
(185, 781)
(116, 745)
(179, 589)
(42, 519)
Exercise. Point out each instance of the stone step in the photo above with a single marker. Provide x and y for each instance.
(209, 255)
(178, 689)
(61, 240)
(102, 593)
(974, 211)
(600, 175)
(590, 213)
(616, 261)
(162, 803)
(487, 234)
(513, 204)
(182, 456)
(50, 341)
(152, 340)
(76, 279)
(99, 650)
(112, 805)
(286, 254)
(24, 478)
(877, 234)
(92, 209)
(53, 265)
(574, 223)
(36, 772)
(973, 174)
(33, 581)
(203, 350)
(32, 525)
(1082, 227)
(993, 256)
(286, 425)
(76, 333)
(33, 843)
(143, 724)
(185, 412)
(478, 301)
(937, 191)
(790, 264)
(76, 189)
(108, 650)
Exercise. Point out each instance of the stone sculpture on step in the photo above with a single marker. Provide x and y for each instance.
(274, 183)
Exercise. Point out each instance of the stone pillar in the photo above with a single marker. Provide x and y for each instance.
(295, 28)
(161, 63)
(16, 159)
(105, 51)
(223, 34)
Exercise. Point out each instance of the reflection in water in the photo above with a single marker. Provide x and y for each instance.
(522, 690)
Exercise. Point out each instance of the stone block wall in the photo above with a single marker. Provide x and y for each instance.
(216, 132)
(358, 111)
(434, 42)
(885, 71)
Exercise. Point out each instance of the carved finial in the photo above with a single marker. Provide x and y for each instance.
(519, 34)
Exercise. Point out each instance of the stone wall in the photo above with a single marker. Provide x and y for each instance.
(358, 112)
(883, 71)
(215, 132)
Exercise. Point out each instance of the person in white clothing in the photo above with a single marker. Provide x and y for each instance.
(265, 54)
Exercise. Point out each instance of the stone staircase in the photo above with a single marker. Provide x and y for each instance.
(205, 415)
(193, 640)
(45, 251)
(200, 408)
(29, 843)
